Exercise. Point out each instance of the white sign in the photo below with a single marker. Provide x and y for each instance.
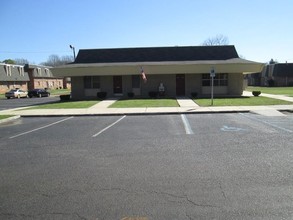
(212, 72)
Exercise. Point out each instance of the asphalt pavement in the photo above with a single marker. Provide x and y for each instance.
(175, 166)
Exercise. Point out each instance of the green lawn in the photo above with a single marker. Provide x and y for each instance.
(243, 101)
(59, 91)
(140, 103)
(5, 116)
(69, 104)
(272, 90)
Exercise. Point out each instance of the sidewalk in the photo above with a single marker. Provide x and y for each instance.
(187, 106)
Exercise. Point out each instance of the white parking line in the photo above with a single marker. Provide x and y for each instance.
(100, 132)
(265, 122)
(36, 129)
(187, 127)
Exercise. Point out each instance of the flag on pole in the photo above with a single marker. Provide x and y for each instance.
(143, 76)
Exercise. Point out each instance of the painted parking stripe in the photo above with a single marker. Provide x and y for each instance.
(265, 122)
(187, 127)
(106, 128)
(36, 129)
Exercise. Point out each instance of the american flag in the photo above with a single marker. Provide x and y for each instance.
(143, 76)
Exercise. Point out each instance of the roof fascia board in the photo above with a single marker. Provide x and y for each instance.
(157, 68)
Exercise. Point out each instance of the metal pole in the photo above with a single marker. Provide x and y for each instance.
(212, 75)
(72, 47)
(74, 53)
(212, 92)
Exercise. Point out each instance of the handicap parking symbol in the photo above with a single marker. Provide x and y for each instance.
(232, 129)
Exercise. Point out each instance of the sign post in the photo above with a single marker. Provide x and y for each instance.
(212, 75)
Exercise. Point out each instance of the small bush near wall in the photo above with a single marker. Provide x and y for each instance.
(193, 94)
(64, 97)
(102, 95)
(153, 94)
(256, 93)
(130, 95)
(271, 82)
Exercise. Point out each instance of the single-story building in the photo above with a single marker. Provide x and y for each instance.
(12, 76)
(180, 70)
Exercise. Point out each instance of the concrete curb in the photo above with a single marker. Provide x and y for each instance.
(9, 119)
(135, 113)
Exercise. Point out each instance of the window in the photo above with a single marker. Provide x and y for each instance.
(47, 72)
(91, 82)
(21, 70)
(8, 70)
(221, 79)
(96, 82)
(135, 81)
(39, 71)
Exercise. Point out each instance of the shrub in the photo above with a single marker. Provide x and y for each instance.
(101, 95)
(256, 93)
(64, 97)
(193, 94)
(153, 94)
(271, 82)
(130, 94)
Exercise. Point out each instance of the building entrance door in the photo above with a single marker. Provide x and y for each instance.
(117, 84)
(180, 85)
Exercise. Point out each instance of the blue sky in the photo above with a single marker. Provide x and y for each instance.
(36, 29)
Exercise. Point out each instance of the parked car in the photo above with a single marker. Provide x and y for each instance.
(15, 93)
(38, 93)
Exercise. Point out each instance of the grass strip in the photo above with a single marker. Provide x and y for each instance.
(272, 90)
(141, 103)
(64, 105)
(242, 101)
(5, 116)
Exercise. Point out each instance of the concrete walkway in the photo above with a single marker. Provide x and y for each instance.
(104, 104)
(186, 106)
(186, 102)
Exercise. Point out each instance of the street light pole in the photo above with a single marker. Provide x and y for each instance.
(72, 47)
(212, 75)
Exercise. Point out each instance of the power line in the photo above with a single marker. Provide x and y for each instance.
(35, 52)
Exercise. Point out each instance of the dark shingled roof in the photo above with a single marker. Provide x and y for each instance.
(156, 54)
(283, 69)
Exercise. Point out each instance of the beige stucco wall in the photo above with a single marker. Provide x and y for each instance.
(77, 88)
(153, 82)
(235, 84)
(193, 83)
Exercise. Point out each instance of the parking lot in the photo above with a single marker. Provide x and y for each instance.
(188, 166)
(23, 102)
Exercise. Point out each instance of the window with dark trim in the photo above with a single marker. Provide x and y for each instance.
(221, 79)
(91, 82)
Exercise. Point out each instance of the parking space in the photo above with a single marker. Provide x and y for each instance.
(194, 166)
(23, 102)
(148, 126)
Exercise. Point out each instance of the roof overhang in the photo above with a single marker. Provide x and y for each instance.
(235, 65)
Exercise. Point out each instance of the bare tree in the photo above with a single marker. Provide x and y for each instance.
(66, 59)
(55, 60)
(218, 40)
(21, 61)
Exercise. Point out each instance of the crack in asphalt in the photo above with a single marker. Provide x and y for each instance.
(178, 198)
(184, 196)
